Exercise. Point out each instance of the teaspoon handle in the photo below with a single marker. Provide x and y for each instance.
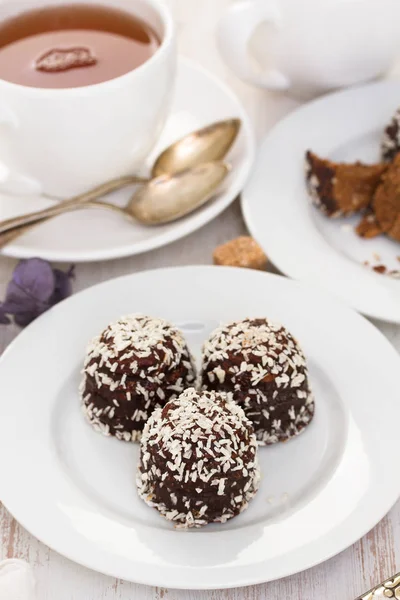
(387, 589)
(16, 231)
(12, 234)
(67, 205)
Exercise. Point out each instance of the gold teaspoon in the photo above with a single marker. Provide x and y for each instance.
(205, 145)
(161, 200)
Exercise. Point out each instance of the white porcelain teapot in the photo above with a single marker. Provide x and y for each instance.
(310, 45)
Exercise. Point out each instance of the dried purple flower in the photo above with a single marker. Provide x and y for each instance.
(63, 286)
(35, 287)
(4, 320)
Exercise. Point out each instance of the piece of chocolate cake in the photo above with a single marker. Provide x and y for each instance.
(264, 368)
(386, 203)
(390, 144)
(198, 460)
(339, 189)
(134, 366)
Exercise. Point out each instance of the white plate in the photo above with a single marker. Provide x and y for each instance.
(92, 235)
(300, 241)
(74, 489)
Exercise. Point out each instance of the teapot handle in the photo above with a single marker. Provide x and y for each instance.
(234, 33)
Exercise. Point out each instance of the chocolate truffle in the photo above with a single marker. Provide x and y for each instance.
(391, 138)
(198, 460)
(135, 365)
(339, 189)
(264, 368)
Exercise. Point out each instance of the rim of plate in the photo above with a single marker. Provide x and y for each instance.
(305, 254)
(247, 574)
(184, 226)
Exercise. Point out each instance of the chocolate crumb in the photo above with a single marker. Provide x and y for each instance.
(380, 269)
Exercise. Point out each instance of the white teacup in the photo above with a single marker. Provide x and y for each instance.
(309, 46)
(61, 142)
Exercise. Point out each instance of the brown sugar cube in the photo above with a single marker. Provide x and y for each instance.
(240, 252)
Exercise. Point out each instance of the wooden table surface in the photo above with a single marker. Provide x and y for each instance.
(374, 558)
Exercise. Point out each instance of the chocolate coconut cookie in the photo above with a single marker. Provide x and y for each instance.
(134, 366)
(265, 369)
(339, 189)
(198, 460)
(391, 138)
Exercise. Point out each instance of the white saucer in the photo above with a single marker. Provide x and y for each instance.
(94, 235)
(74, 489)
(302, 243)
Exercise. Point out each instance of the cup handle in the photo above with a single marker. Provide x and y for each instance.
(12, 182)
(234, 33)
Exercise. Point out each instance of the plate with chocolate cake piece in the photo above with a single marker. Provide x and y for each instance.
(199, 427)
(323, 199)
